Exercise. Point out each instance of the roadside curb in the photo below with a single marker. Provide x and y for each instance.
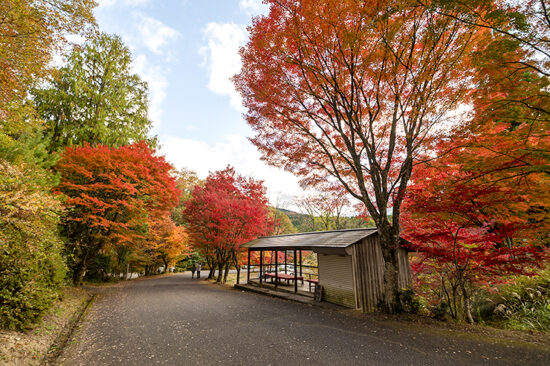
(58, 345)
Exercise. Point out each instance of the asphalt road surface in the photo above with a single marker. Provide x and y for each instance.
(178, 321)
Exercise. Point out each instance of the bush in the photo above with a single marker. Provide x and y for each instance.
(32, 269)
(525, 305)
(408, 301)
(440, 310)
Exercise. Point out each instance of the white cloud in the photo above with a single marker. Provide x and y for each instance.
(221, 58)
(234, 150)
(154, 34)
(156, 80)
(253, 7)
(191, 128)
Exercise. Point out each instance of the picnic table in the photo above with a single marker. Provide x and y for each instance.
(283, 276)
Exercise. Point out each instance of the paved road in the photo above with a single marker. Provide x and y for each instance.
(178, 321)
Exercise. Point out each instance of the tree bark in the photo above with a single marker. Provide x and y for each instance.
(220, 272)
(78, 274)
(80, 268)
(226, 272)
(467, 307)
(235, 256)
(390, 248)
(212, 265)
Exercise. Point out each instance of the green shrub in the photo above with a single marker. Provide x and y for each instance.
(32, 269)
(440, 310)
(525, 305)
(408, 301)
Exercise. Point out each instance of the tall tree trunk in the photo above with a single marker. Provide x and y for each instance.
(80, 268)
(220, 272)
(212, 265)
(237, 266)
(78, 274)
(226, 272)
(165, 265)
(467, 306)
(390, 246)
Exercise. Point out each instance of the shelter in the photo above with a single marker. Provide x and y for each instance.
(350, 264)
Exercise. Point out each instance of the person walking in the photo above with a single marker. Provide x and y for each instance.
(198, 270)
(193, 270)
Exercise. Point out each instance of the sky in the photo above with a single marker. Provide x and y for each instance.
(187, 51)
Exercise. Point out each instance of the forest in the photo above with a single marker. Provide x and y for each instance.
(426, 119)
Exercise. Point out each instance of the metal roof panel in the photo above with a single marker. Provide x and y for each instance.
(317, 239)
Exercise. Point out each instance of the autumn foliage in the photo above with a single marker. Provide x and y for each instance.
(350, 92)
(478, 209)
(470, 231)
(111, 194)
(227, 211)
(165, 243)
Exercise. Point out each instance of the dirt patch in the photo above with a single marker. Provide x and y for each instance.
(31, 346)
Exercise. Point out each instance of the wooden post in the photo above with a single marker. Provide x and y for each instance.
(295, 273)
(285, 261)
(276, 267)
(248, 268)
(301, 273)
(261, 264)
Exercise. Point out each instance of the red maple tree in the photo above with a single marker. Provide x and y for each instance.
(227, 211)
(469, 230)
(110, 194)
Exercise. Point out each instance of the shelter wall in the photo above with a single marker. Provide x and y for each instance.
(368, 270)
(336, 278)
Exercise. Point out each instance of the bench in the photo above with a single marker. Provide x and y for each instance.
(312, 282)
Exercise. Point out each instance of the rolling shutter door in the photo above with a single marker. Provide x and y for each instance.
(335, 275)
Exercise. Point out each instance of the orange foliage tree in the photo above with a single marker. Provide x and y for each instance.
(164, 243)
(350, 91)
(111, 193)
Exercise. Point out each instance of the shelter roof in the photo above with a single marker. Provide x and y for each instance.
(311, 240)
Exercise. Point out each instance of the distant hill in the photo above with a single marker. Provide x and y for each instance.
(303, 223)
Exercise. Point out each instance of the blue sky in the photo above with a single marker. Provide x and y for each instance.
(187, 50)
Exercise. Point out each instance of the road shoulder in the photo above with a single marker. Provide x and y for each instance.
(37, 345)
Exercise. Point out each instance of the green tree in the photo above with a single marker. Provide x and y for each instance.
(280, 222)
(95, 98)
(186, 180)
